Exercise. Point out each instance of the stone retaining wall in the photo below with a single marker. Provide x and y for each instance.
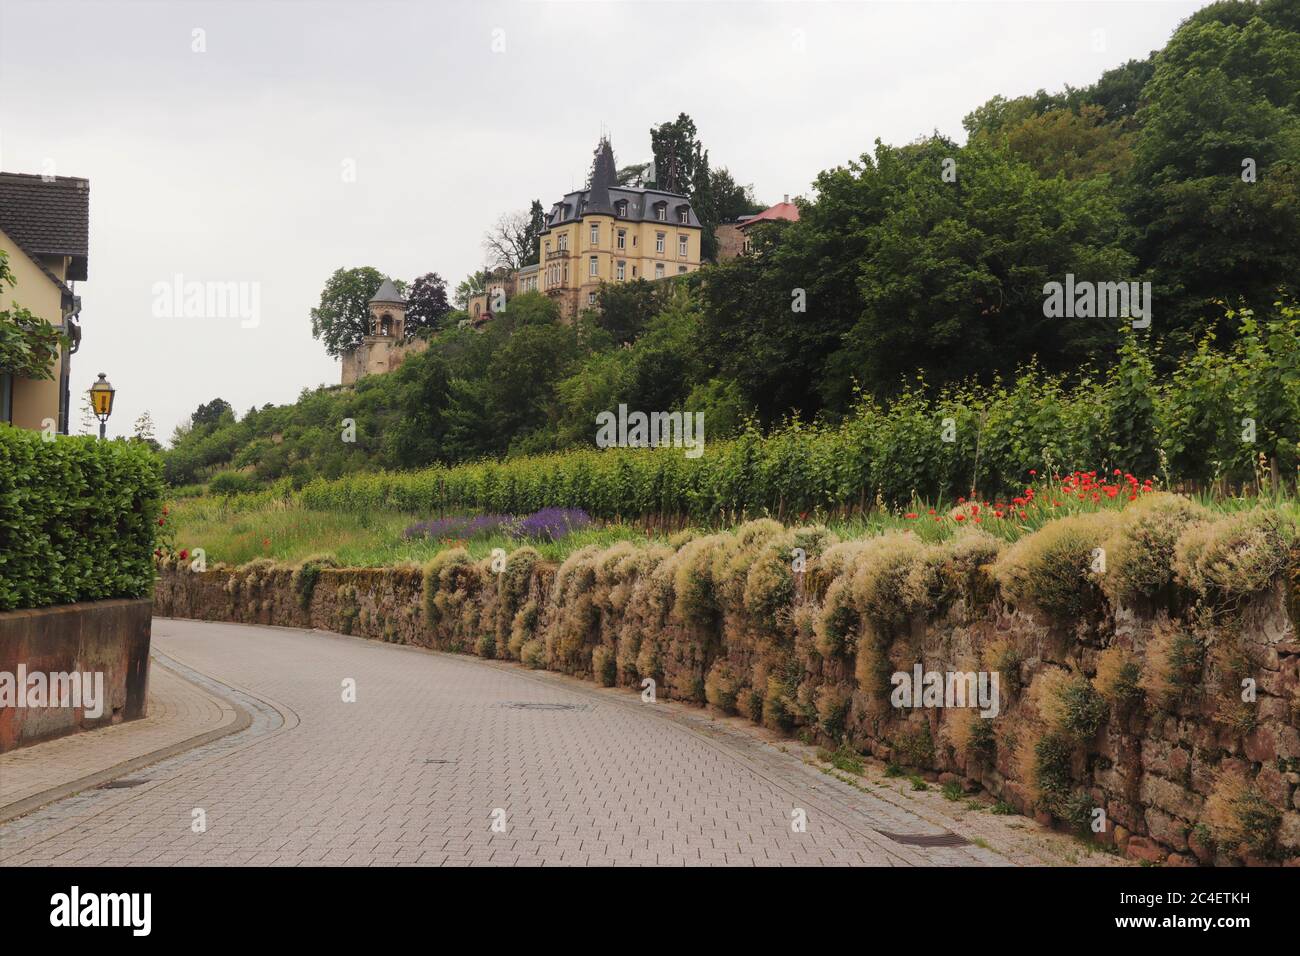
(1171, 776)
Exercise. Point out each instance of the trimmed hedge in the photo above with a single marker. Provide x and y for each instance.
(78, 519)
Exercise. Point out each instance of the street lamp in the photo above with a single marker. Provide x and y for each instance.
(101, 400)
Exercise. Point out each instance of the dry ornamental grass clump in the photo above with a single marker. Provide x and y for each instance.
(1004, 657)
(1172, 662)
(693, 584)
(951, 570)
(1229, 560)
(1052, 568)
(1140, 555)
(722, 685)
(838, 622)
(881, 575)
(1118, 676)
(1068, 704)
(1239, 816)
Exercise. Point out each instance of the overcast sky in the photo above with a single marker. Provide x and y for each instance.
(229, 165)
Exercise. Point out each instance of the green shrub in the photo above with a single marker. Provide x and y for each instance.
(307, 574)
(231, 483)
(915, 748)
(1050, 774)
(79, 519)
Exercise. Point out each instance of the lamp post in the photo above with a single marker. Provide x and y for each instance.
(101, 400)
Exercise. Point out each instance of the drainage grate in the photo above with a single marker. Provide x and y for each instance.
(535, 705)
(927, 839)
(122, 783)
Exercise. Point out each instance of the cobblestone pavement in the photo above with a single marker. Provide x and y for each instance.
(179, 711)
(449, 760)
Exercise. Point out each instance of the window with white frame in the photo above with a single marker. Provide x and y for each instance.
(591, 298)
(659, 241)
(622, 238)
(621, 271)
(659, 270)
(681, 246)
(681, 270)
(593, 266)
(661, 212)
(564, 241)
(684, 215)
(595, 235)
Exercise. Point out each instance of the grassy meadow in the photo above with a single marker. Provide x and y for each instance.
(239, 528)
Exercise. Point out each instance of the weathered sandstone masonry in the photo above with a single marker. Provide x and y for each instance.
(108, 638)
(1161, 717)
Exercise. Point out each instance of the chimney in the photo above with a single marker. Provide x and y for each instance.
(786, 199)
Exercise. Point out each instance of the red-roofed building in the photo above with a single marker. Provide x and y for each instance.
(733, 237)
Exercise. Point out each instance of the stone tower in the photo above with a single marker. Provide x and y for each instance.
(384, 347)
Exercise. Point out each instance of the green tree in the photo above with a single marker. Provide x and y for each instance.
(953, 273)
(423, 389)
(624, 309)
(212, 413)
(676, 148)
(1074, 144)
(343, 317)
(1220, 110)
(732, 200)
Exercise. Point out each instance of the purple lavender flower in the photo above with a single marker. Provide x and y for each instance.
(552, 524)
(460, 526)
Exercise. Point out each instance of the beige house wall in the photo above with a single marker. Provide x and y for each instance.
(35, 400)
(566, 274)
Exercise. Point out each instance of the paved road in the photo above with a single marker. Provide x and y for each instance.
(448, 760)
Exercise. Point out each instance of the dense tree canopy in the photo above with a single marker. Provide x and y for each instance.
(913, 270)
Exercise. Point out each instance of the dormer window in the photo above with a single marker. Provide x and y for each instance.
(661, 211)
(622, 208)
(584, 207)
(684, 214)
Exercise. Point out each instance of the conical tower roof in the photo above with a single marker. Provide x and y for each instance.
(604, 177)
(388, 293)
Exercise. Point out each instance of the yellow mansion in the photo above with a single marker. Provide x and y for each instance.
(611, 233)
